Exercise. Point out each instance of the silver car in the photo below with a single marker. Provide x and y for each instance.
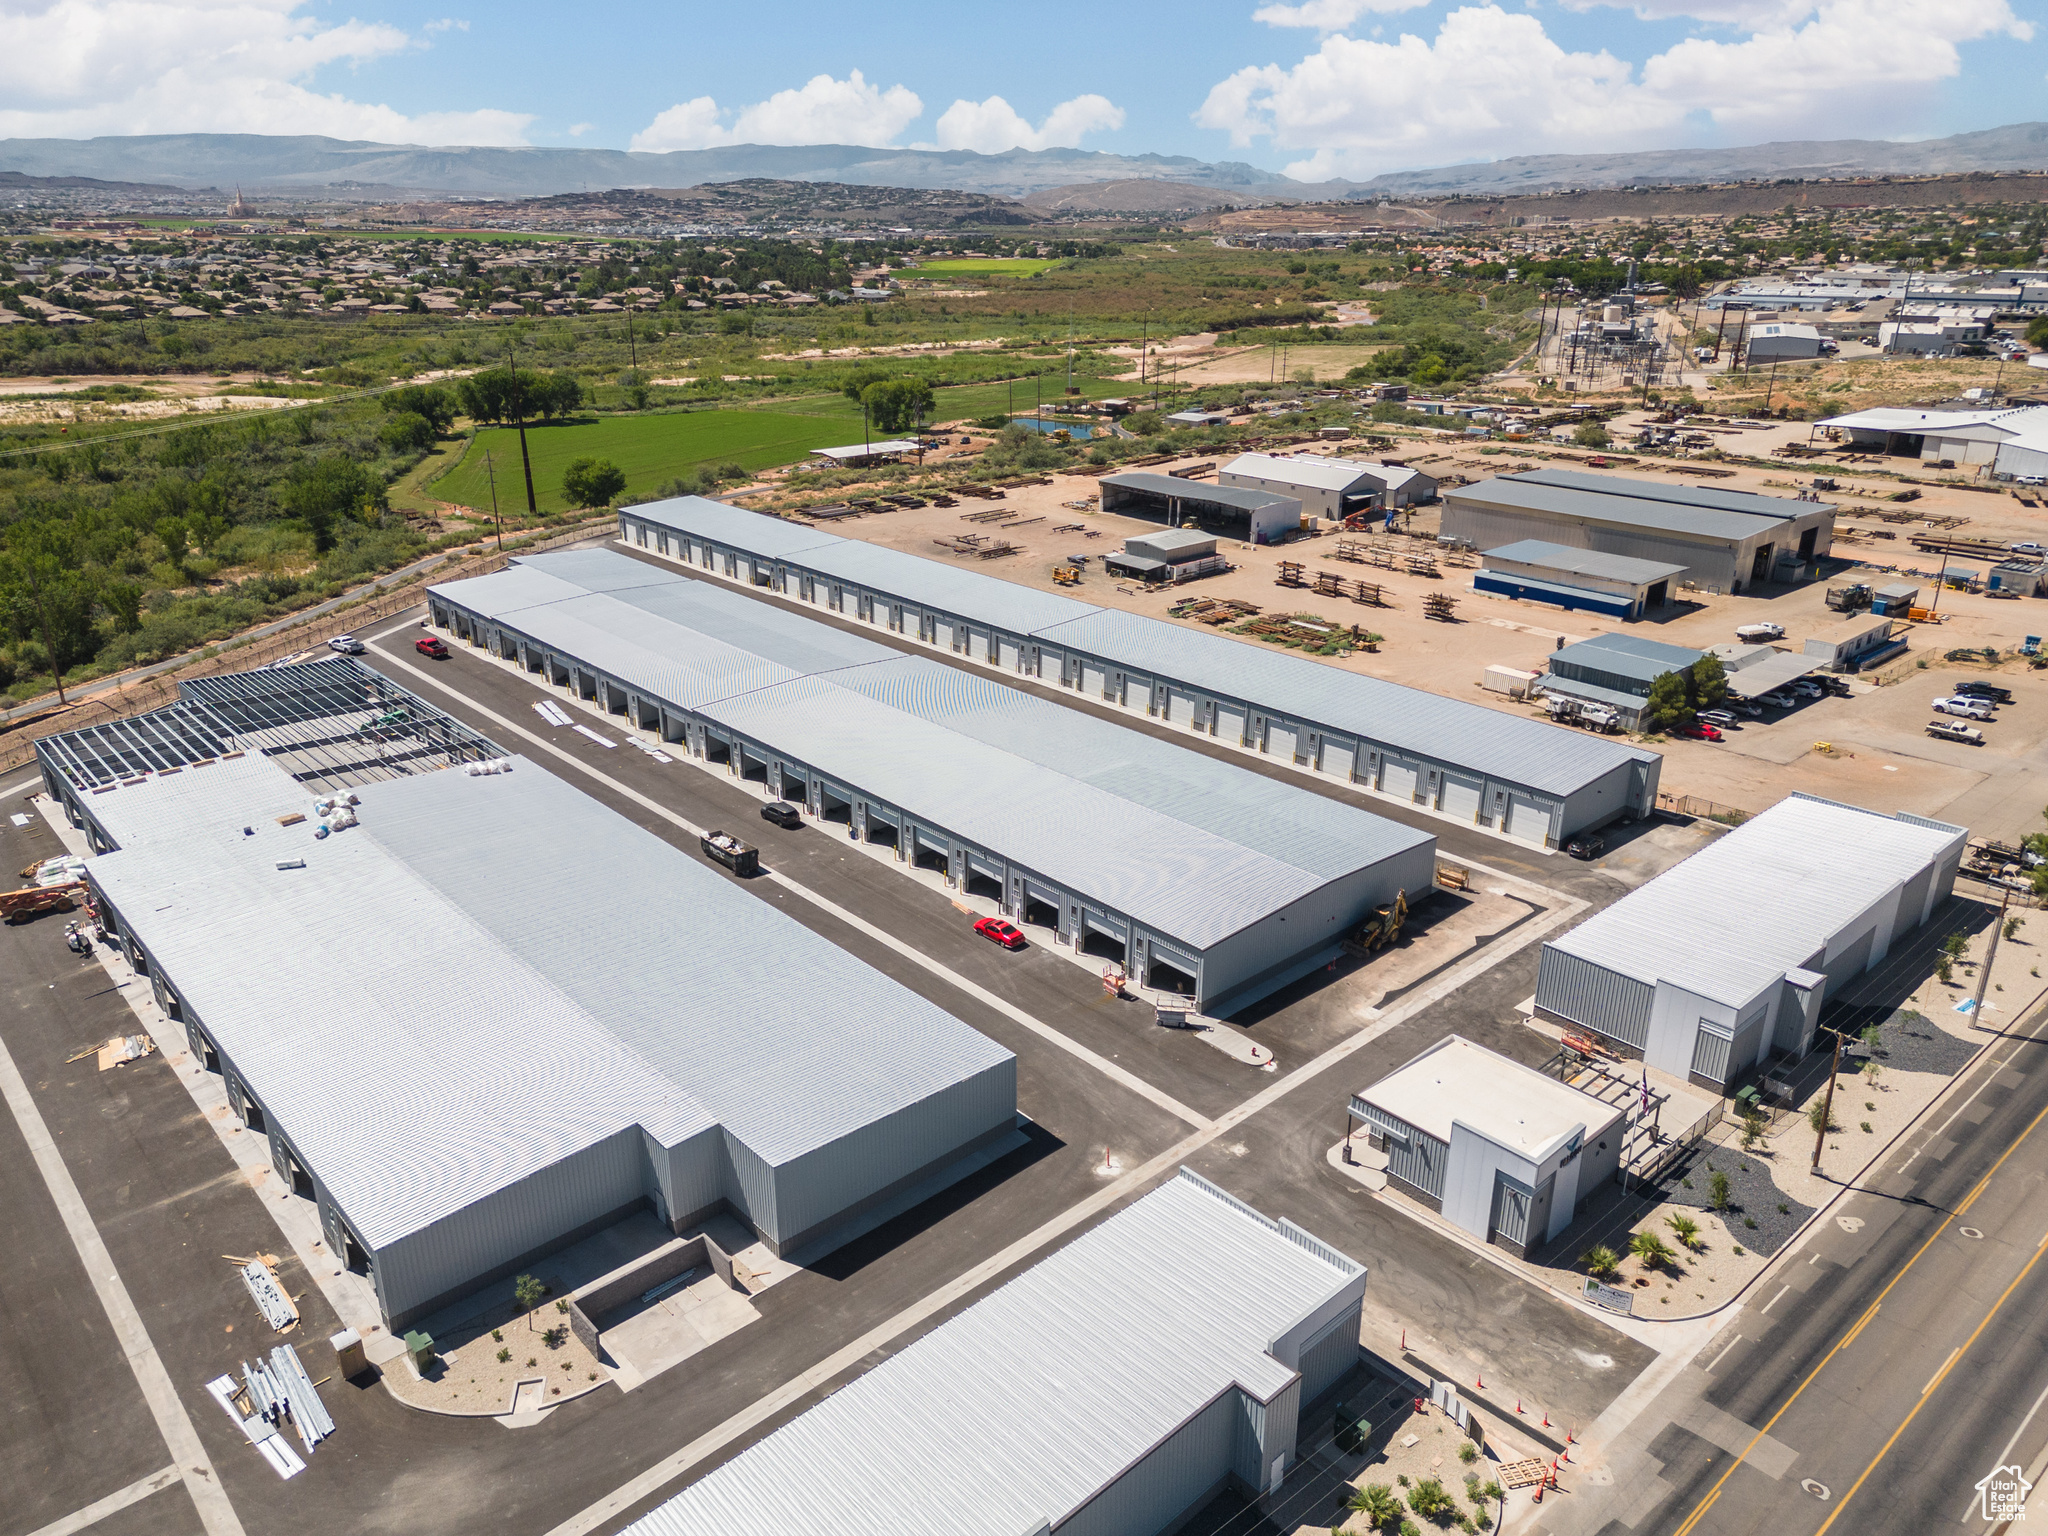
(1968, 709)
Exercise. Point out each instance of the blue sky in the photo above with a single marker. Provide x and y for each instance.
(1317, 88)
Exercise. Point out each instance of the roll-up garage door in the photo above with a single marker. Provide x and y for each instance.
(1280, 740)
(1528, 817)
(1137, 690)
(1180, 706)
(1397, 777)
(1102, 923)
(884, 815)
(1006, 653)
(1461, 797)
(1230, 723)
(1338, 758)
(982, 864)
(1093, 679)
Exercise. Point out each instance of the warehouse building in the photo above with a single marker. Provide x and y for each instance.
(1780, 343)
(1166, 556)
(1729, 957)
(1195, 875)
(1112, 1389)
(1586, 580)
(1519, 778)
(1722, 540)
(493, 1016)
(1253, 517)
(1505, 1152)
(1329, 487)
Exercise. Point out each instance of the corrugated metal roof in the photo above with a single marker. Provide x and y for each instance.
(1748, 503)
(1583, 562)
(1241, 497)
(1196, 848)
(1626, 656)
(1759, 901)
(530, 972)
(1521, 493)
(1510, 748)
(1312, 470)
(1026, 1405)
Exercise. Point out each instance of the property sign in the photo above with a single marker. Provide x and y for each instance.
(1612, 1297)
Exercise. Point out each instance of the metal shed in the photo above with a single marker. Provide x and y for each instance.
(1195, 875)
(1728, 958)
(1112, 1389)
(1519, 778)
(1258, 517)
(665, 1028)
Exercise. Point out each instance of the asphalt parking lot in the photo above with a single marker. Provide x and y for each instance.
(159, 1186)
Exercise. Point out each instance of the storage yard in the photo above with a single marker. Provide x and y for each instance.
(1191, 875)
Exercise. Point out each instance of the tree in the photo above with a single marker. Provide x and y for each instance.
(857, 381)
(430, 401)
(45, 590)
(1668, 704)
(1649, 1247)
(322, 492)
(407, 432)
(592, 482)
(487, 395)
(893, 404)
(1706, 683)
(1377, 1503)
(1428, 1499)
(1600, 1261)
(1591, 435)
(550, 395)
(1687, 1230)
(528, 1293)
(2037, 331)
(1718, 1185)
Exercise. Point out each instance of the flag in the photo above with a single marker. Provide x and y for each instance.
(1645, 1112)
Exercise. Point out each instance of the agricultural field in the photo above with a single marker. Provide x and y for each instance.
(649, 449)
(985, 266)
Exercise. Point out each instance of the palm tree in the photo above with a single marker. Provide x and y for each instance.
(1377, 1503)
(1649, 1247)
(1600, 1261)
(1687, 1229)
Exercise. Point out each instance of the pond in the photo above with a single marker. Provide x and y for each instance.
(1080, 431)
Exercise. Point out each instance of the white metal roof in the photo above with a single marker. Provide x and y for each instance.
(1886, 418)
(1198, 849)
(894, 445)
(529, 973)
(1018, 1411)
(1311, 470)
(1525, 1110)
(1512, 749)
(1760, 901)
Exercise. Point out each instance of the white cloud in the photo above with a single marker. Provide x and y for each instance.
(1493, 83)
(820, 111)
(1328, 15)
(994, 125)
(445, 24)
(75, 68)
(577, 130)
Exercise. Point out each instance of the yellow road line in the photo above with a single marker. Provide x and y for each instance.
(1714, 1493)
(1928, 1390)
(1861, 1323)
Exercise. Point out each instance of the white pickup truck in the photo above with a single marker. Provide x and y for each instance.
(1955, 730)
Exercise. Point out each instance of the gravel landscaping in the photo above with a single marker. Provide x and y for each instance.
(1753, 1196)
(1909, 1041)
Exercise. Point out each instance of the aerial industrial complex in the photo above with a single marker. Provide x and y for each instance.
(1197, 876)
(664, 1028)
(1511, 776)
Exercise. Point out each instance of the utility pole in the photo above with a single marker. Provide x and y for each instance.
(632, 350)
(519, 415)
(1984, 970)
(1827, 1104)
(1772, 387)
(492, 474)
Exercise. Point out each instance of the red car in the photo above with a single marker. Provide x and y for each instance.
(997, 931)
(432, 645)
(1699, 731)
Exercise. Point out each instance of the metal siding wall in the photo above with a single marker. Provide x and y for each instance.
(502, 1227)
(1711, 1052)
(1328, 1355)
(816, 1187)
(1157, 1490)
(1420, 1163)
(1592, 995)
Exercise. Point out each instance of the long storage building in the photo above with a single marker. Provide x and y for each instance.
(493, 1016)
(1112, 1389)
(1507, 774)
(1726, 540)
(1728, 958)
(1196, 875)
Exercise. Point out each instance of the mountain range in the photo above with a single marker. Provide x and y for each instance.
(311, 165)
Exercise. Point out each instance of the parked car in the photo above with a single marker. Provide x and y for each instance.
(1838, 686)
(1969, 709)
(1748, 708)
(1955, 730)
(1588, 847)
(348, 645)
(1781, 699)
(1805, 688)
(1978, 689)
(783, 814)
(1699, 730)
(1721, 718)
(2028, 548)
(432, 645)
(996, 931)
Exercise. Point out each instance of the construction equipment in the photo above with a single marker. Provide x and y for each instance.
(1849, 599)
(1383, 928)
(20, 906)
(1066, 576)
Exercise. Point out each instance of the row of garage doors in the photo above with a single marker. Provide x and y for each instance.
(1463, 797)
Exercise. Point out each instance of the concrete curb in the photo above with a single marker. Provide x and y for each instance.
(488, 1413)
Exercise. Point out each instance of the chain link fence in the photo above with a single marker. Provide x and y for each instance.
(17, 745)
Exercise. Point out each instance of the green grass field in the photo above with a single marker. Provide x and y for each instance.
(966, 402)
(650, 449)
(986, 266)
